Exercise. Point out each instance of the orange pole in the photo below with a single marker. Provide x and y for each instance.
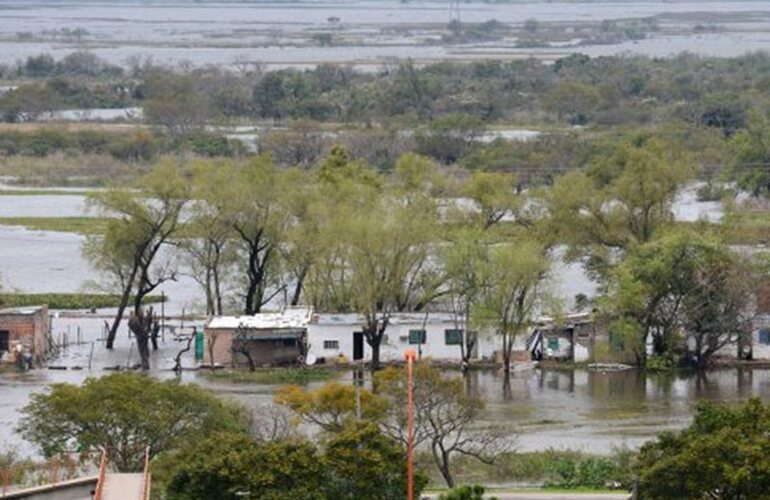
(410, 357)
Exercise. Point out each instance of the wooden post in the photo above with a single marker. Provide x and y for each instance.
(410, 357)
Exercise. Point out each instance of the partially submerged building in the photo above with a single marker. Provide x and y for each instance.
(24, 334)
(435, 335)
(264, 339)
(569, 340)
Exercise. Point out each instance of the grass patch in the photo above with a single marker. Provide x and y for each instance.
(68, 300)
(80, 225)
(299, 376)
(555, 470)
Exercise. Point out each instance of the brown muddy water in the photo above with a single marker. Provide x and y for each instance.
(583, 410)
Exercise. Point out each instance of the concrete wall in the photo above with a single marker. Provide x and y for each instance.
(396, 341)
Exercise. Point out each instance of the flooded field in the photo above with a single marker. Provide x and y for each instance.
(364, 33)
(592, 411)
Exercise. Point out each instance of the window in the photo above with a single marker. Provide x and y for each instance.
(331, 344)
(5, 344)
(453, 337)
(417, 336)
(553, 343)
(764, 336)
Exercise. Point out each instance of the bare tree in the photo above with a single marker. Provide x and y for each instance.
(445, 417)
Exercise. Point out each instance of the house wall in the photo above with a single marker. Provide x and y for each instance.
(267, 352)
(29, 330)
(760, 345)
(222, 347)
(396, 341)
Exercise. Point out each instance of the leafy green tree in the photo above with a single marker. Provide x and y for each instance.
(331, 406)
(510, 292)
(573, 101)
(377, 261)
(210, 243)
(365, 463)
(622, 201)
(750, 148)
(142, 222)
(28, 102)
(682, 283)
(174, 101)
(228, 466)
(722, 454)
(450, 138)
(123, 414)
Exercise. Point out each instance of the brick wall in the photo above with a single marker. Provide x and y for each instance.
(29, 330)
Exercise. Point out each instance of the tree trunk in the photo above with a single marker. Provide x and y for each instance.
(217, 293)
(124, 298)
(442, 461)
(298, 287)
(144, 326)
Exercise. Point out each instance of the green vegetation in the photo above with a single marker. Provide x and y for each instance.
(298, 376)
(722, 454)
(554, 469)
(358, 462)
(67, 300)
(124, 413)
(444, 415)
(81, 225)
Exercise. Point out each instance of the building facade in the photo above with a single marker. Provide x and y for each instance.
(24, 333)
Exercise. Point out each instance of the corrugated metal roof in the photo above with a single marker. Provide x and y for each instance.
(292, 317)
(24, 311)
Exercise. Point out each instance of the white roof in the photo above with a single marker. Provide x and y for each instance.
(292, 317)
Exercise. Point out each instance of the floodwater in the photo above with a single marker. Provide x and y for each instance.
(364, 32)
(595, 412)
(562, 409)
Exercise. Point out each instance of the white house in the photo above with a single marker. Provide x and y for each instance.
(434, 335)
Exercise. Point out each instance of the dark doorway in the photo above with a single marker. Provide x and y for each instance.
(358, 346)
(5, 340)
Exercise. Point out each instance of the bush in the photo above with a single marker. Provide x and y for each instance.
(466, 492)
(722, 454)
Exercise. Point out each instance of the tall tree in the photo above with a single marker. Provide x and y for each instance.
(258, 215)
(209, 241)
(619, 202)
(378, 259)
(510, 291)
(142, 222)
(124, 414)
(682, 285)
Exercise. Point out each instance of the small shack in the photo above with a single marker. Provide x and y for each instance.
(264, 339)
(567, 340)
(24, 333)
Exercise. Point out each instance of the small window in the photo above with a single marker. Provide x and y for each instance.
(331, 344)
(417, 336)
(764, 336)
(553, 343)
(453, 337)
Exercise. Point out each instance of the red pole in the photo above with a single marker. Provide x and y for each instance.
(410, 357)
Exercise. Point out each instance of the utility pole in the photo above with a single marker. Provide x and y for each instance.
(410, 357)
